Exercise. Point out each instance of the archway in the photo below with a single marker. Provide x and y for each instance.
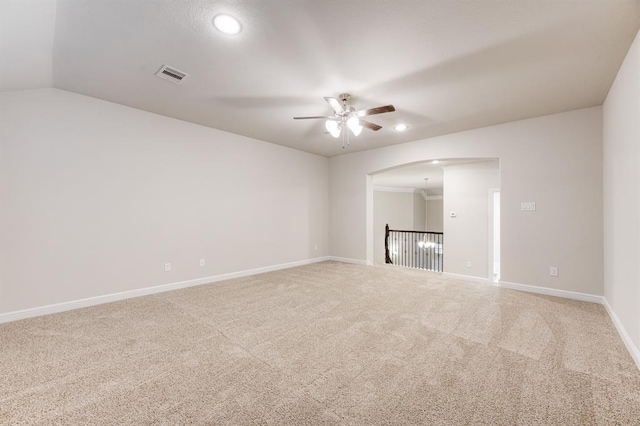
(462, 189)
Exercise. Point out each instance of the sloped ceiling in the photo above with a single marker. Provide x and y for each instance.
(446, 65)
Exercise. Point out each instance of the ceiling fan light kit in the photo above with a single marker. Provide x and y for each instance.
(347, 115)
(333, 127)
(354, 125)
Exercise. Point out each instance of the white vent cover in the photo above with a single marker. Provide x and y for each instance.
(171, 74)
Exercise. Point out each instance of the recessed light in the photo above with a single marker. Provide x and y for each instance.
(227, 24)
(435, 161)
(400, 127)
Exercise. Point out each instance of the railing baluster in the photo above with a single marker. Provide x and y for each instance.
(430, 250)
(413, 251)
(404, 246)
(440, 253)
(433, 252)
(410, 241)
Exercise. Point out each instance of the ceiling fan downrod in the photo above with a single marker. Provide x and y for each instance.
(344, 97)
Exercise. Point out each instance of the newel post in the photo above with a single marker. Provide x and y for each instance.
(387, 258)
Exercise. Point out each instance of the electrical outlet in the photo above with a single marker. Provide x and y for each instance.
(315, 247)
(468, 264)
(167, 267)
(553, 271)
(202, 262)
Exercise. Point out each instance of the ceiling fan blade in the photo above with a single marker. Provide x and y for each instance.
(329, 117)
(369, 125)
(335, 104)
(376, 110)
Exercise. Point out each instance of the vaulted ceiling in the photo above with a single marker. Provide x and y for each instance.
(446, 65)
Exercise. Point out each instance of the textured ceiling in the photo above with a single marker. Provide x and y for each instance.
(26, 43)
(446, 65)
(413, 176)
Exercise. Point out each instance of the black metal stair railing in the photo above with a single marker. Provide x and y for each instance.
(414, 249)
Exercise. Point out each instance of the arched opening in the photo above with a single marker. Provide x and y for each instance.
(452, 196)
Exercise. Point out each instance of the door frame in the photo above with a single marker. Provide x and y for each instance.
(490, 248)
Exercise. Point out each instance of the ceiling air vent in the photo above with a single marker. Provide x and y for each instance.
(171, 74)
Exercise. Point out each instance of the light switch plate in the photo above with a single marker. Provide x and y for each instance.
(528, 206)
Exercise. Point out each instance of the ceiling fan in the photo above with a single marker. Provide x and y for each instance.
(347, 115)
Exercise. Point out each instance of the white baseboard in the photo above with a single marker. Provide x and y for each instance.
(114, 297)
(552, 292)
(466, 277)
(92, 301)
(347, 260)
(631, 347)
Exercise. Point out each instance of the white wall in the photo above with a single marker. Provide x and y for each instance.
(434, 215)
(466, 237)
(555, 161)
(96, 197)
(621, 134)
(395, 209)
(419, 212)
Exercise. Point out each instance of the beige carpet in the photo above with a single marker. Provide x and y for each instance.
(328, 343)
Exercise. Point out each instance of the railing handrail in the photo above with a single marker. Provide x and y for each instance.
(417, 232)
